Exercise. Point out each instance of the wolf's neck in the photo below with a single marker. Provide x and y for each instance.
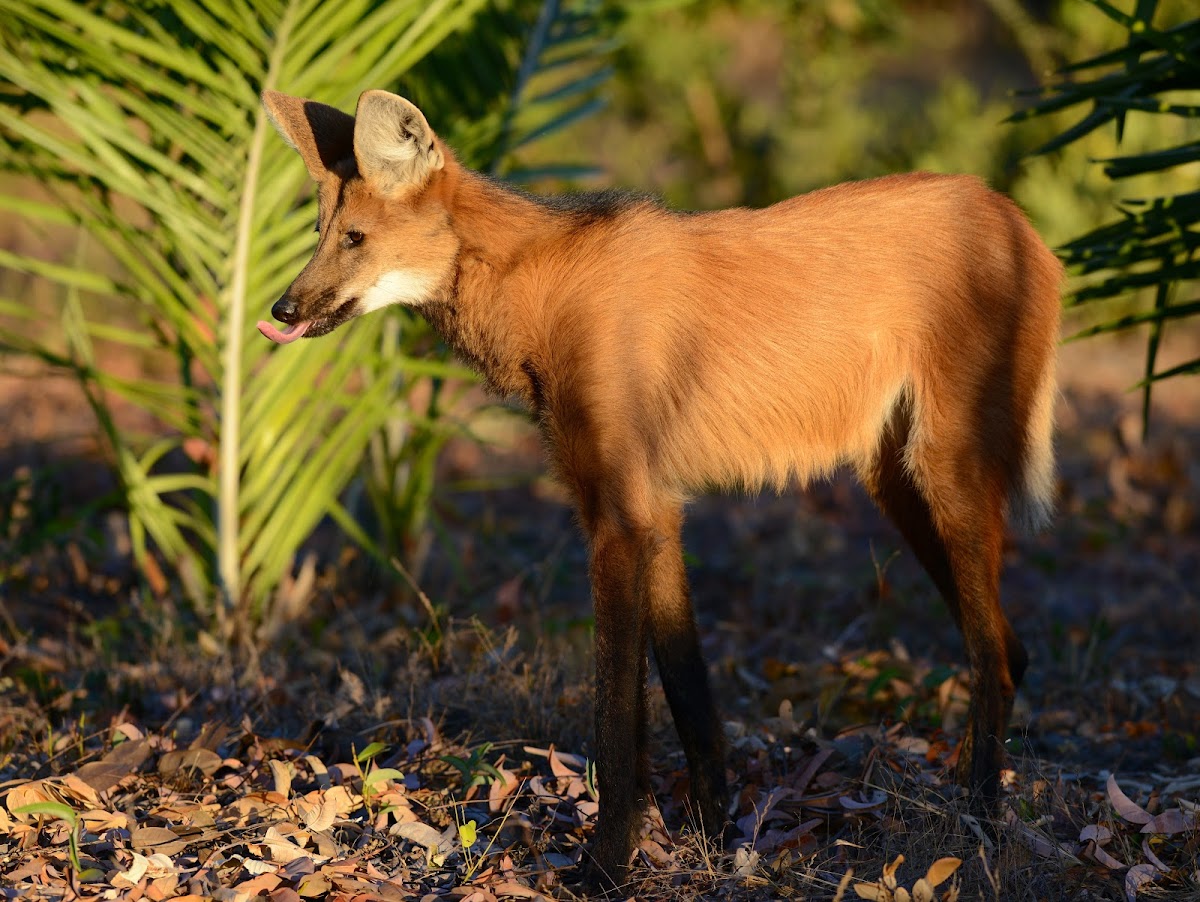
(498, 226)
(493, 314)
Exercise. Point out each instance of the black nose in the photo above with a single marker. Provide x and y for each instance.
(284, 310)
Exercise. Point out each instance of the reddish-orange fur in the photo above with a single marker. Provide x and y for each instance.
(905, 326)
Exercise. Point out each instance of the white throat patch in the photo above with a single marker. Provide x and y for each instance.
(400, 286)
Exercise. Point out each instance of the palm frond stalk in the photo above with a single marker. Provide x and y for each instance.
(132, 131)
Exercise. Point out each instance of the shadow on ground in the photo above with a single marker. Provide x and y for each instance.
(823, 636)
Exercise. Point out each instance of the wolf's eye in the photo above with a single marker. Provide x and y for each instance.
(353, 237)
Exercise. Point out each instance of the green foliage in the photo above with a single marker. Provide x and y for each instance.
(62, 812)
(720, 103)
(373, 777)
(1152, 249)
(475, 770)
(133, 137)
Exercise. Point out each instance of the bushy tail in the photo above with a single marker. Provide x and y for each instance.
(1032, 500)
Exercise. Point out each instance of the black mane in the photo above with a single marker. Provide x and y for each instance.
(588, 206)
(596, 204)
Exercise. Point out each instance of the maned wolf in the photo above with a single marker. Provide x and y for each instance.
(905, 326)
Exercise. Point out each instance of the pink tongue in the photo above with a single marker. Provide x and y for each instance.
(287, 336)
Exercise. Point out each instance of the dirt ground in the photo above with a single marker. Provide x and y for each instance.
(838, 671)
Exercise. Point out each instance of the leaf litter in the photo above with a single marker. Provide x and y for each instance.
(252, 817)
(841, 738)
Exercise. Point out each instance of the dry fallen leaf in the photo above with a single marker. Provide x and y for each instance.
(259, 885)
(282, 850)
(941, 870)
(563, 767)
(1124, 806)
(1094, 851)
(1137, 877)
(922, 891)
(871, 891)
(811, 768)
(873, 801)
(203, 760)
(1151, 857)
(342, 800)
(1170, 822)
(314, 885)
(499, 790)
(73, 788)
(160, 865)
(124, 758)
(318, 816)
(320, 772)
(745, 862)
(889, 872)
(282, 773)
(156, 839)
(134, 873)
(423, 835)
(256, 866)
(26, 794)
(510, 889)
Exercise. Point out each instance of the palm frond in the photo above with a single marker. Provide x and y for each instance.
(1156, 244)
(136, 126)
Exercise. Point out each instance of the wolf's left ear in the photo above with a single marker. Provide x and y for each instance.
(323, 135)
(393, 144)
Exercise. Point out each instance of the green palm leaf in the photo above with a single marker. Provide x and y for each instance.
(1155, 244)
(140, 123)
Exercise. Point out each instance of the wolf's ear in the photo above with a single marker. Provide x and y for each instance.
(394, 145)
(323, 135)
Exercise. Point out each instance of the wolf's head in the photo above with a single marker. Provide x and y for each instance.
(385, 233)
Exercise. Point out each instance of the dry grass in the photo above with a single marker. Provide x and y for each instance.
(812, 806)
(837, 669)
